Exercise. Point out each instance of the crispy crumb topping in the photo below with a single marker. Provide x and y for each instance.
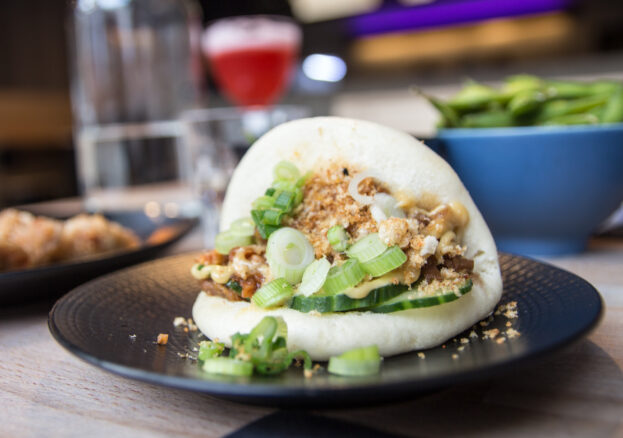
(326, 203)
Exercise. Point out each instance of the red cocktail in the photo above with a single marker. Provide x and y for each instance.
(252, 58)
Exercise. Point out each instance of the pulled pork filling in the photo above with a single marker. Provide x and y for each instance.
(429, 239)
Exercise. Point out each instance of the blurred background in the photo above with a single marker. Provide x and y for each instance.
(357, 59)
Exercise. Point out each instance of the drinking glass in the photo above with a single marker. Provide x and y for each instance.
(218, 138)
(252, 57)
(135, 66)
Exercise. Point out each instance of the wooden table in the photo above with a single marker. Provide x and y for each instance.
(45, 391)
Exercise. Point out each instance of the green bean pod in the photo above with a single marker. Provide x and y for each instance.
(568, 89)
(487, 119)
(473, 96)
(518, 84)
(526, 102)
(613, 110)
(573, 119)
(557, 108)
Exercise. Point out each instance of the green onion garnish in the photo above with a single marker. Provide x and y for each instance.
(288, 253)
(273, 294)
(262, 228)
(282, 328)
(362, 361)
(263, 202)
(338, 238)
(314, 276)
(226, 240)
(284, 200)
(284, 170)
(391, 259)
(270, 191)
(263, 350)
(302, 180)
(242, 227)
(343, 277)
(209, 349)
(272, 216)
(367, 248)
(234, 285)
(228, 366)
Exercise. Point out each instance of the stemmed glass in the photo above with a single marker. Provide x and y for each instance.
(252, 57)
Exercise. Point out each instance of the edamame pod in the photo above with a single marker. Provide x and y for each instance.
(525, 102)
(472, 96)
(568, 89)
(488, 119)
(557, 108)
(573, 119)
(613, 110)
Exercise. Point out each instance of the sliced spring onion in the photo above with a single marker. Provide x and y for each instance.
(259, 343)
(388, 261)
(353, 187)
(314, 276)
(284, 200)
(270, 191)
(264, 230)
(242, 227)
(282, 185)
(226, 240)
(272, 216)
(362, 361)
(227, 366)
(273, 294)
(302, 180)
(282, 328)
(288, 253)
(209, 349)
(298, 197)
(344, 276)
(367, 248)
(285, 170)
(263, 202)
(338, 238)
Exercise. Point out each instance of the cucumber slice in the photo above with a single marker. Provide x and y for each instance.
(342, 302)
(407, 301)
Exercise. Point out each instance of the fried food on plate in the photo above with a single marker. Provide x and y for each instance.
(27, 240)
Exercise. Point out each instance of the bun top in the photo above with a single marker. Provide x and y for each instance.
(405, 164)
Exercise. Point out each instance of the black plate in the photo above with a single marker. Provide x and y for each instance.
(96, 321)
(53, 280)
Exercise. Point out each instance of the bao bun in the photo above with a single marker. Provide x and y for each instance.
(406, 165)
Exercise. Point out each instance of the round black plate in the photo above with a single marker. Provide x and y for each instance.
(113, 321)
(53, 280)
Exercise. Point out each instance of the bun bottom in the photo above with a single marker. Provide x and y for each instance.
(323, 336)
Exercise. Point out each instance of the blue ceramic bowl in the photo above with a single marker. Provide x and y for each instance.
(542, 190)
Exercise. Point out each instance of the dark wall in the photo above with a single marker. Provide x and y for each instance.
(32, 44)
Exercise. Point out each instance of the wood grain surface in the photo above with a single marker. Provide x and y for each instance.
(47, 392)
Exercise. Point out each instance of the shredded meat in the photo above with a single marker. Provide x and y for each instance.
(459, 264)
(430, 271)
(249, 285)
(218, 290)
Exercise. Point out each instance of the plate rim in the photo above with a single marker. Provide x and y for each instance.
(259, 393)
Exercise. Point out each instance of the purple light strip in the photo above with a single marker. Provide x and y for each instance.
(447, 13)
